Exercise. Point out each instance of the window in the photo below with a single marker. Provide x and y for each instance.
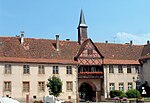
(120, 69)
(26, 69)
(41, 69)
(41, 86)
(55, 70)
(26, 86)
(121, 87)
(7, 86)
(69, 69)
(90, 51)
(7, 69)
(69, 86)
(93, 69)
(111, 69)
(112, 86)
(128, 69)
(130, 86)
(137, 69)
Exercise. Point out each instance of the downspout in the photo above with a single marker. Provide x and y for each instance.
(106, 82)
(77, 93)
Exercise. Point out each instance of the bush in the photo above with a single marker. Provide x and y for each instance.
(117, 93)
(123, 95)
(133, 93)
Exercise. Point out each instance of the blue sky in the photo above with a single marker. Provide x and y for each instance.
(117, 21)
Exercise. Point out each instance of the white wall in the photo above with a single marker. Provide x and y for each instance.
(118, 78)
(17, 77)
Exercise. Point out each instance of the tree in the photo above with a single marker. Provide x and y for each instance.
(133, 93)
(117, 93)
(55, 86)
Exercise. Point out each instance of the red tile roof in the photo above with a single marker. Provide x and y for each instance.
(44, 51)
(112, 61)
(120, 51)
(42, 61)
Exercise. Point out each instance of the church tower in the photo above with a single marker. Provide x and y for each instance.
(82, 29)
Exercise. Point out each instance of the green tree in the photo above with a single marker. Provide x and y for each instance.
(133, 93)
(117, 93)
(55, 86)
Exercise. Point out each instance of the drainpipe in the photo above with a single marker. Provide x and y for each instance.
(106, 82)
(77, 93)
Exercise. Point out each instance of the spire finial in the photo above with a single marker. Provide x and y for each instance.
(82, 19)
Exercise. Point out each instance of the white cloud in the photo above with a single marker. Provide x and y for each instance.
(123, 37)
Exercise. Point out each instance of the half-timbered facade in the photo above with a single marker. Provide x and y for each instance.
(88, 70)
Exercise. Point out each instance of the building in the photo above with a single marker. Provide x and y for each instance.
(88, 70)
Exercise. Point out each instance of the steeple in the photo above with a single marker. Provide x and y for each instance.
(82, 19)
(82, 29)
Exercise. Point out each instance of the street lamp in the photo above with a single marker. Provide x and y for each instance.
(136, 80)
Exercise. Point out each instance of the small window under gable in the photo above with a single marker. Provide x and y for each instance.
(90, 51)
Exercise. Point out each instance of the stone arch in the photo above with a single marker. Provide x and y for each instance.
(87, 91)
(90, 83)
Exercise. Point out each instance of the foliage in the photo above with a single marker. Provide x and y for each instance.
(117, 93)
(133, 93)
(123, 94)
(55, 86)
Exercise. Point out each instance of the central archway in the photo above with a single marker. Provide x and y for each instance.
(86, 92)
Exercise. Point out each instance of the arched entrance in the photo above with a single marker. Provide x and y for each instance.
(87, 93)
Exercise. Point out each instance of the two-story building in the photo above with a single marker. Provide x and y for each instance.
(88, 70)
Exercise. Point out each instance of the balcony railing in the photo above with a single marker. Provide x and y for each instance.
(91, 75)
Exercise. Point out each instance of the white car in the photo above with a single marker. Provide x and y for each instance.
(7, 100)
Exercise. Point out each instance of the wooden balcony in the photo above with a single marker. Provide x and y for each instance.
(90, 75)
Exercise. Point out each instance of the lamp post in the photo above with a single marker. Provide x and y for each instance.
(136, 80)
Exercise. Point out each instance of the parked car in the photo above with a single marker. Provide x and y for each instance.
(8, 100)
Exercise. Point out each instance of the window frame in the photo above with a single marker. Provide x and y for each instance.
(121, 85)
(41, 86)
(111, 69)
(120, 69)
(41, 69)
(137, 69)
(130, 86)
(68, 69)
(69, 85)
(7, 86)
(26, 69)
(55, 70)
(129, 69)
(90, 51)
(26, 86)
(7, 69)
(111, 86)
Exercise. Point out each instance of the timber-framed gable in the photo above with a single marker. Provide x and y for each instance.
(88, 54)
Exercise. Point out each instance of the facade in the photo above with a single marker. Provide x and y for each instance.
(145, 63)
(88, 70)
(19, 80)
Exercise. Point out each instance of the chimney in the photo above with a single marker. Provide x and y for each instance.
(147, 42)
(131, 42)
(67, 39)
(22, 37)
(57, 42)
(106, 41)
